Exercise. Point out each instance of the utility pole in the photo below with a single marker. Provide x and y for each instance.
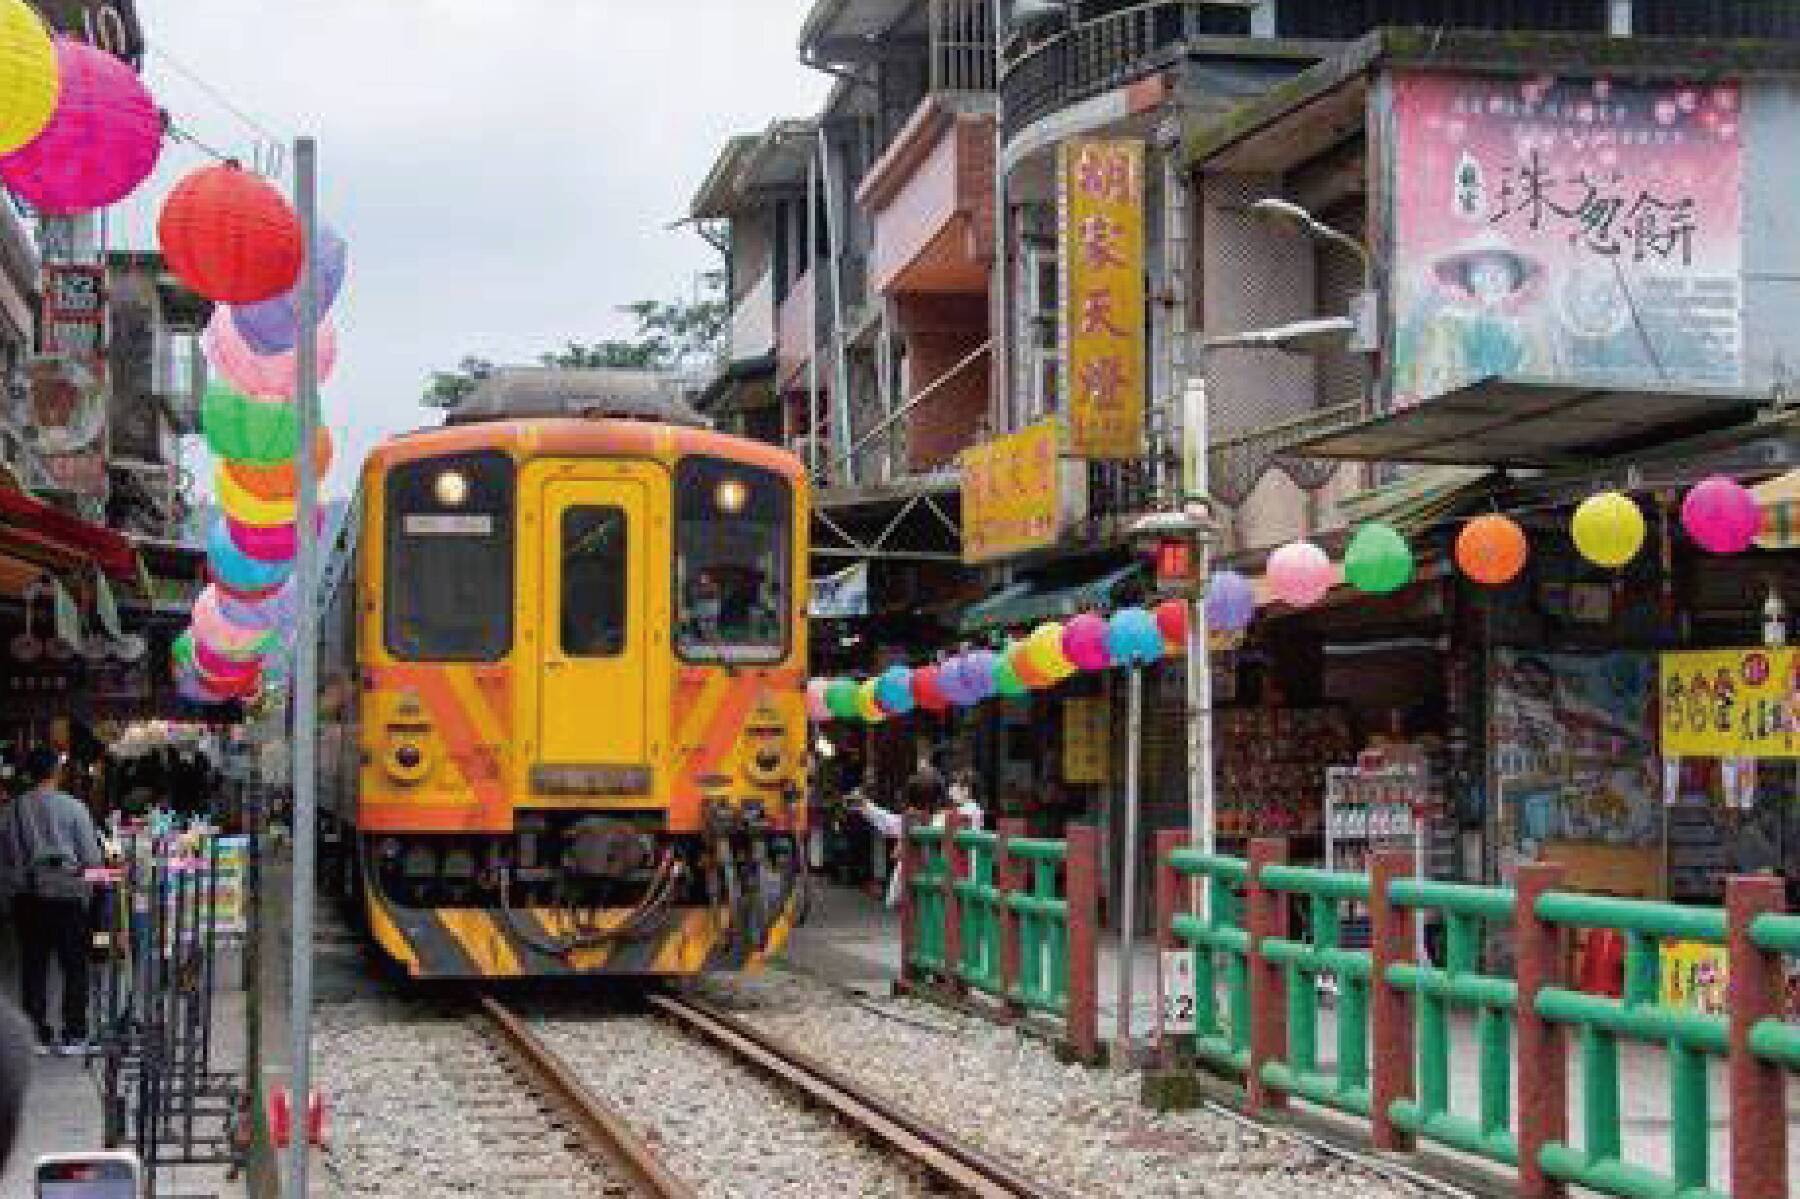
(306, 669)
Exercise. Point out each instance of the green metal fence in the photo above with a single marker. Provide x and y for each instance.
(1041, 913)
(928, 872)
(978, 905)
(1222, 1038)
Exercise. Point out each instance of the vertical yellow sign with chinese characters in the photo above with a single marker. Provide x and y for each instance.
(1010, 499)
(1101, 192)
(1084, 740)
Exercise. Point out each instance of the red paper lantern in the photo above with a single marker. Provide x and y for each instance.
(1172, 622)
(928, 693)
(230, 236)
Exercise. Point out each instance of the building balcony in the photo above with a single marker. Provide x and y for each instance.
(797, 327)
(753, 321)
(931, 197)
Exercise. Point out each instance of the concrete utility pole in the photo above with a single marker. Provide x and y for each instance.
(306, 670)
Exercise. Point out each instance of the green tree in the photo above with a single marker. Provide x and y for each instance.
(670, 334)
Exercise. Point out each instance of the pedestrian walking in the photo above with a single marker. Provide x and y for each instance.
(47, 839)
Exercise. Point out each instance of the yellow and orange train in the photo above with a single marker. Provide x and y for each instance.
(561, 709)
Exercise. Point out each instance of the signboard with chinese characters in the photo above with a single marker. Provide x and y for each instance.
(1101, 194)
(1581, 230)
(1084, 739)
(1010, 498)
(1734, 703)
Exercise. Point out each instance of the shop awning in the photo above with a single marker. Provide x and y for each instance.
(1522, 423)
(1028, 603)
(38, 530)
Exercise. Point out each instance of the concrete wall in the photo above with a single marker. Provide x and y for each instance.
(1771, 296)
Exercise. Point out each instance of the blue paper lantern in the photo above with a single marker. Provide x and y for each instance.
(1133, 638)
(1230, 602)
(894, 690)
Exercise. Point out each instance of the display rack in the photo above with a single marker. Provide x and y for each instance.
(1372, 806)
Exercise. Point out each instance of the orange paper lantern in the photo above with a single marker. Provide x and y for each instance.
(230, 236)
(276, 480)
(1491, 550)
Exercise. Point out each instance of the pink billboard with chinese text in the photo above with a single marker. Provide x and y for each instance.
(1575, 229)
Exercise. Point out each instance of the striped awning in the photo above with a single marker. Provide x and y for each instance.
(1779, 499)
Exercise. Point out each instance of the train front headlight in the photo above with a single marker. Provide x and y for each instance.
(408, 759)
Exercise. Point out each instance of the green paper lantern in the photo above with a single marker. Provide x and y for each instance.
(240, 429)
(183, 649)
(842, 700)
(1378, 562)
(1007, 682)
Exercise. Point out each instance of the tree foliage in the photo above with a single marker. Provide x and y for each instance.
(670, 334)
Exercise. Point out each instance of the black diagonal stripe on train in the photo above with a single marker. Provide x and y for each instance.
(441, 955)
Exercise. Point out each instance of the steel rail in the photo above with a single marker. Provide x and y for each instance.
(603, 1129)
(940, 1153)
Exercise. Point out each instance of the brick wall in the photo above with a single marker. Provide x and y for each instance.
(940, 330)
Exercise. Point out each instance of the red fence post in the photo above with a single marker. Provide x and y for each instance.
(1168, 903)
(1009, 879)
(1757, 991)
(956, 869)
(908, 866)
(1265, 912)
(1083, 895)
(1543, 1046)
(1391, 940)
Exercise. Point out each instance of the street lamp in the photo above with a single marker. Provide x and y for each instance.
(1364, 311)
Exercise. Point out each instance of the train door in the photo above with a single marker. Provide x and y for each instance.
(593, 707)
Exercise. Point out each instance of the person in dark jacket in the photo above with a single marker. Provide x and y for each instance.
(47, 840)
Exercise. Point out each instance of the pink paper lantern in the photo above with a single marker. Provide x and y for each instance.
(101, 142)
(1300, 574)
(261, 376)
(222, 669)
(1721, 515)
(1084, 642)
(264, 543)
(815, 700)
(224, 637)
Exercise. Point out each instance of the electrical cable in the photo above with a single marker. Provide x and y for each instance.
(216, 95)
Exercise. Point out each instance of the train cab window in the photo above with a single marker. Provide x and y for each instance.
(593, 582)
(449, 585)
(733, 541)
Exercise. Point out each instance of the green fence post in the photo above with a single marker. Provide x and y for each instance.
(1168, 891)
(956, 868)
(1391, 941)
(1541, 949)
(1009, 878)
(1082, 890)
(1265, 916)
(908, 866)
(1756, 991)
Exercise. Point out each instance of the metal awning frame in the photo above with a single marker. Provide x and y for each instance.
(854, 547)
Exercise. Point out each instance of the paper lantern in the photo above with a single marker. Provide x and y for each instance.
(190, 688)
(1017, 655)
(1378, 561)
(246, 506)
(101, 142)
(1721, 515)
(239, 428)
(894, 690)
(277, 610)
(978, 671)
(1132, 637)
(816, 710)
(1608, 529)
(1084, 642)
(28, 75)
(867, 706)
(1300, 574)
(1230, 602)
(1044, 647)
(928, 690)
(262, 376)
(1172, 622)
(221, 668)
(264, 543)
(958, 687)
(232, 567)
(230, 236)
(1007, 683)
(1491, 550)
(277, 480)
(273, 326)
(842, 700)
(210, 625)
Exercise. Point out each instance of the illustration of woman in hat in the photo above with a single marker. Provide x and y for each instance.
(1473, 323)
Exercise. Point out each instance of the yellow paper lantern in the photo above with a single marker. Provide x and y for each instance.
(28, 76)
(1608, 529)
(1045, 651)
(246, 506)
(866, 703)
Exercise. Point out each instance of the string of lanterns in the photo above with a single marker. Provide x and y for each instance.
(234, 239)
(1491, 550)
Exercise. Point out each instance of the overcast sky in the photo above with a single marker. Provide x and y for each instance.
(504, 170)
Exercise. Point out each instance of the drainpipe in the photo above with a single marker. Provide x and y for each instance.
(840, 367)
(813, 456)
(1000, 403)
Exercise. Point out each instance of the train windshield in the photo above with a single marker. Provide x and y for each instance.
(450, 559)
(733, 539)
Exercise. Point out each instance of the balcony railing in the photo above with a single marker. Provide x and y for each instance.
(1095, 56)
(962, 45)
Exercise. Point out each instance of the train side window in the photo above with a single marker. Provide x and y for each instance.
(594, 566)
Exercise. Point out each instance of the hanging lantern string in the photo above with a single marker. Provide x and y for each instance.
(217, 96)
(180, 136)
